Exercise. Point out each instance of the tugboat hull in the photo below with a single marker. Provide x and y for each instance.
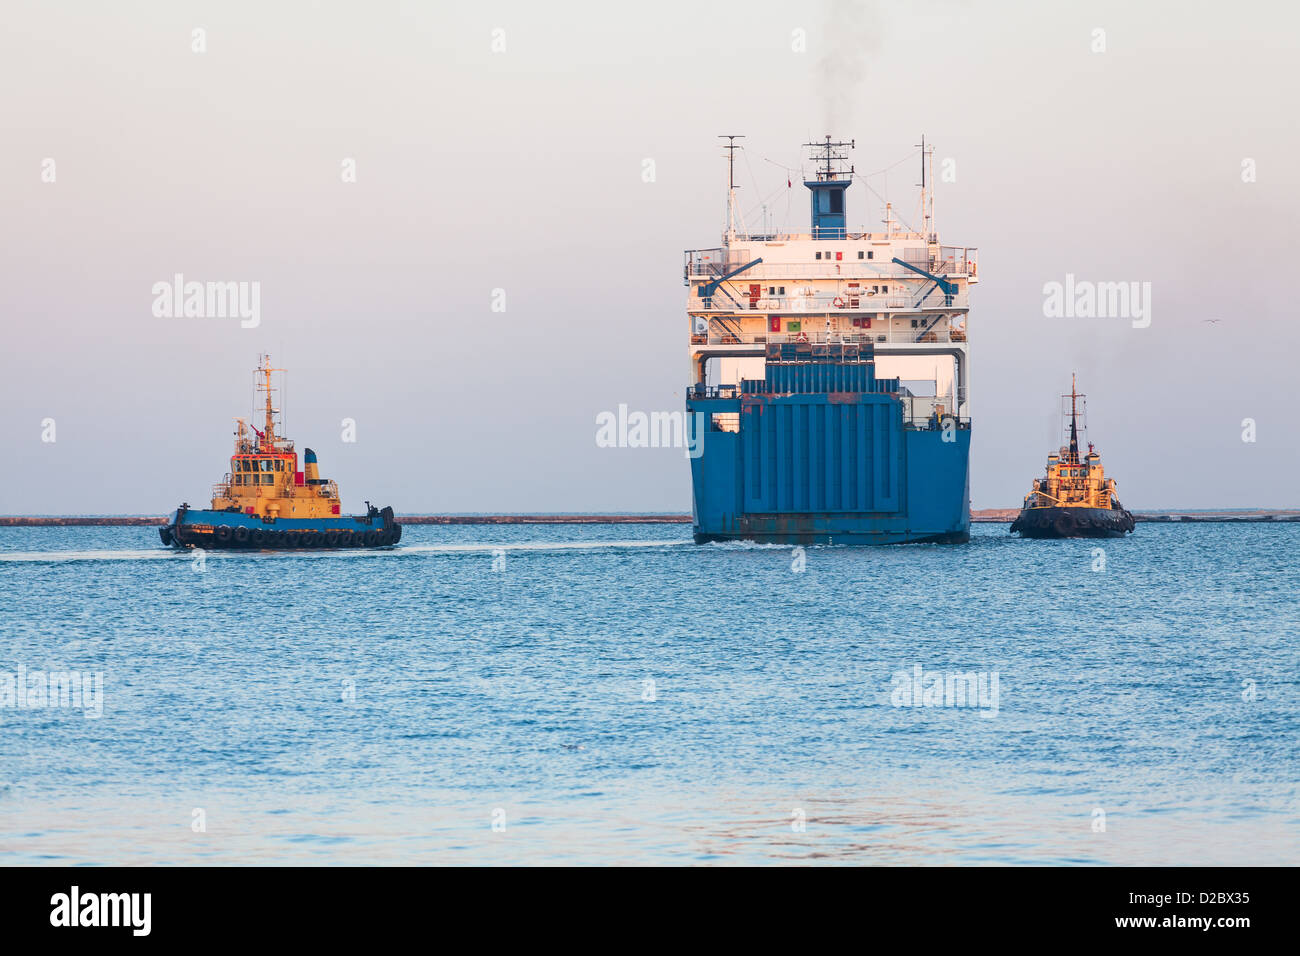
(232, 530)
(1076, 522)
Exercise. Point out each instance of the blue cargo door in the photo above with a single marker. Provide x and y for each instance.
(808, 453)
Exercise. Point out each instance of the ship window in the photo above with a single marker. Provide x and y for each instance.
(837, 201)
(266, 479)
(266, 464)
(861, 254)
(780, 290)
(279, 465)
(819, 255)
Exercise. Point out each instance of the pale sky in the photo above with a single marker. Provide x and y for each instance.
(522, 170)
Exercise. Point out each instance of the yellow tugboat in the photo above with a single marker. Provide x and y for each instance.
(1076, 499)
(265, 501)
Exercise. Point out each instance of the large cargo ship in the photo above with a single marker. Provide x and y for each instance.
(829, 375)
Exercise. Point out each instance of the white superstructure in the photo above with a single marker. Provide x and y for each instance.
(903, 292)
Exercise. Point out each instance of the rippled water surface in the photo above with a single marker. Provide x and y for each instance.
(616, 694)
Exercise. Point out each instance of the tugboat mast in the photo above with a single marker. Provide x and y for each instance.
(1074, 421)
(264, 369)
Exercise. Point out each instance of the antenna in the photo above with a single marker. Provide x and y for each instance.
(731, 148)
(827, 154)
(927, 194)
(264, 370)
(1074, 427)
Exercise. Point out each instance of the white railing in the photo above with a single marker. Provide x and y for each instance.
(735, 301)
(709, 264)
(942, 336)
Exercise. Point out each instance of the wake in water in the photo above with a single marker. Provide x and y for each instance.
(163, 554)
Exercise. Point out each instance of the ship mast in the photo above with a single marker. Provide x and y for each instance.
(1074, 421)
(731, 148)
(927, 188)
(264, 369)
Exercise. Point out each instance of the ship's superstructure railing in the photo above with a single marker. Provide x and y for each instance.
(732, 300)
(709, 264)
(933, 412)
(920, 412)
(905, 336)
(227, 488)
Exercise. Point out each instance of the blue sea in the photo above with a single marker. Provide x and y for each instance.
(602, 694)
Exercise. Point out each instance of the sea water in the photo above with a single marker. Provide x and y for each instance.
(614, 693)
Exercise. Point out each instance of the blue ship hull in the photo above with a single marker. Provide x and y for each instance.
(820, 453)
(205, 528)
